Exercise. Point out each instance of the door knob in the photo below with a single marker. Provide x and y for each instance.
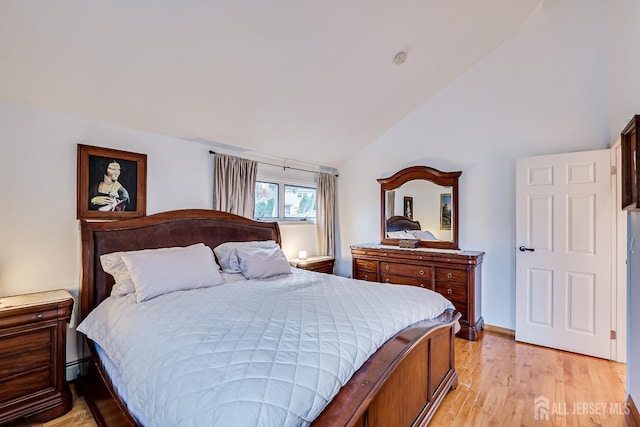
(524, 248)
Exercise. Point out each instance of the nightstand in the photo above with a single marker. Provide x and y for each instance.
(33, 331)
(320, 264)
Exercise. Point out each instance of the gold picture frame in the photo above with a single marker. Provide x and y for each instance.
(445, 211)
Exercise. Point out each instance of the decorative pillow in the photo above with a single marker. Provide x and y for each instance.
(114, 265)
(260, 263)
(227, 257)
(156, 273)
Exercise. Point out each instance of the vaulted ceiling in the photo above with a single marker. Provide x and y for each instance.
(313, 81)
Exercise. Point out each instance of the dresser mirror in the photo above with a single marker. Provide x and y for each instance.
(420, 203)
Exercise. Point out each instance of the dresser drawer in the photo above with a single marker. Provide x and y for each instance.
(461, 307)
(370, 276)
(450, 275)
(403, 280)
(417, 271)
(451, 291)
(25, 385)
(366, 265)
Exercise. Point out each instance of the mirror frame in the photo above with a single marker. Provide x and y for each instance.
(446, 179)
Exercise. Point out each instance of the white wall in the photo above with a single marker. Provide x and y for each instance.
(542, 92)
(625, 102)
(39, 237)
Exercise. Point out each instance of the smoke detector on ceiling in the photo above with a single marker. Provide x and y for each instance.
(400, 58)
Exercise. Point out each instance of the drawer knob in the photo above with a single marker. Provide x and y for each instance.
(386, 267)
(422, 285)
(449, 291)
(387, 281)
(422, 272)
(39, 316)
(449, 276)
(366, 277)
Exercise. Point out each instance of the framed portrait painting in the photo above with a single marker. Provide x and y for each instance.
(111, 184)
(408, 207)
(445, 211)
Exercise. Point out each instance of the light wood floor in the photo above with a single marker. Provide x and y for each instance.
(499, 381)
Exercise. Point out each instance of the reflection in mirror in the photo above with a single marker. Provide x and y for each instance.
(421, 203)
(429, 204)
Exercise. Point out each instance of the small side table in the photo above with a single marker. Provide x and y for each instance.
(320, 264)
(33, 331)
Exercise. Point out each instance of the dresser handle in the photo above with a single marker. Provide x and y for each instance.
(449, 276)
(386, 267)
(39, 316)
(422, 272)
(449, 291)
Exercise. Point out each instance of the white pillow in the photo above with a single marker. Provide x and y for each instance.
(260, 263)
(423, 235)
(400, 235)
(114, 265)
(156, 273)
(227, 257)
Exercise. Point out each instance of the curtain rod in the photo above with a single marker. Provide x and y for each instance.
(281, 166)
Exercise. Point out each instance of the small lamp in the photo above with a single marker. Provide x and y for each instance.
(302, 254)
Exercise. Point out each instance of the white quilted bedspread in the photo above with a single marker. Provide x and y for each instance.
(252, 352)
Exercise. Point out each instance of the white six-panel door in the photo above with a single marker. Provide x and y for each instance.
(563, 251)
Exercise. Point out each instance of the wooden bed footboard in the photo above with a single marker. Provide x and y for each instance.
(402, 384)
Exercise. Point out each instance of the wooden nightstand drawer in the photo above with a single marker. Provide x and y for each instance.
(21, 353)
(25, 385)
(319, 264)
(24, 342)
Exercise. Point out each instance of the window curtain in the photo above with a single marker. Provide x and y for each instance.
(326, 212)
(234, 185)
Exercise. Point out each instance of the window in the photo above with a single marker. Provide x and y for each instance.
(299, 202)
(266, 200)
(280, 201)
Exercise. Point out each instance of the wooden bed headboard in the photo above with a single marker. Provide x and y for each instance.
(166, 229)
(401, 223)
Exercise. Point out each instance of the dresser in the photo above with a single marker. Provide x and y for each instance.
(320, 264)
(33, 329)
(456, 274)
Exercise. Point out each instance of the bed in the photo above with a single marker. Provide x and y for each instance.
(401, 227)
(401, 383)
